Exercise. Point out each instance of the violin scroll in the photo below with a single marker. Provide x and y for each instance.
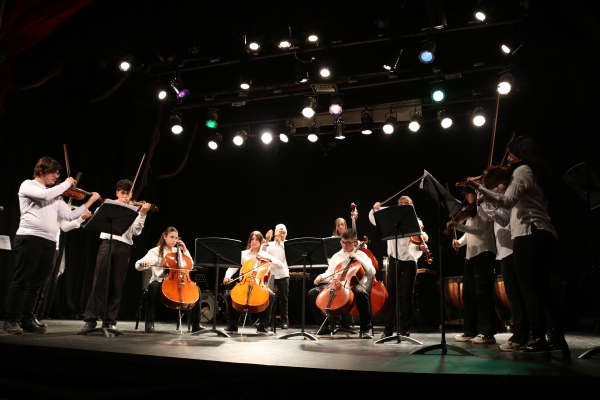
(140, 203)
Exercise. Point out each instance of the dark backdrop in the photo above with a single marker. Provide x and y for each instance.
(233, 191)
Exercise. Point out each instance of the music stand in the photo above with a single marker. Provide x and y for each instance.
(115, 218)
(215, 252)
(587, 185)
(332, 245)
(451, 205)
(300, 252)
(394, 222)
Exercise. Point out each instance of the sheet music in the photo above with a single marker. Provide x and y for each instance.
(4, 243)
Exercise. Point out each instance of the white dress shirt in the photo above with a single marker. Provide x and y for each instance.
(248, 255)
(407, 251)
(526, 202)
(40, 207)
(277, 250)
(156, 262)
(501, 218)
(341, 257)
(134, 230)
(478, 235)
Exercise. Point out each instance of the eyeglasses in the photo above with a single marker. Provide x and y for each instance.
(347, 243)
(55, 173)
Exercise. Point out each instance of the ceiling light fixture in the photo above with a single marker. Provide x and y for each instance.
(216, 138)
(253, 44)
(240, 137)
(245, 81)
(390, 122)
(313, 130)
(340, 126)
(438, 95)
(175, 122)
(505, 84)
(415, 122)
(478, 116)
(179, 89)
(266, 135)
(393, 59)
(336, 105)
(427, 54)
(445, 119)
(310, 105)
(211, 119)
(125, 64)
(366, 121)
(290, 129)
(300, 72)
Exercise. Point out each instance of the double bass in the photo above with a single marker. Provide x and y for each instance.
(251, 292)
(178, 291)
(379, 294)
(337, 298)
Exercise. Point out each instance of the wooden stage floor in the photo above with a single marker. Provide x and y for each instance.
(61, 364)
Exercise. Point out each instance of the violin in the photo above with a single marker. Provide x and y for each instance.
(492, 176)
(178, 291)
(422, 239)
(465, 212)
(251, 293)
(140, 203)
(337, 298)
(75, 193)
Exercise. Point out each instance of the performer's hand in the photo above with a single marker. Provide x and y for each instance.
(71, 180)
(145, 208)
(423, 247)
(226, 281)
(269, 235)
(502, 187)
(455, 244)
(86, 215)
(182, 245)
(352, 255)
(145, 264)
(95, 196)
(376, 206)
(318, 280)
(451, 224)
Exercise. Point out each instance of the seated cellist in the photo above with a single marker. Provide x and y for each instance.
(361, 295)
(252, 251)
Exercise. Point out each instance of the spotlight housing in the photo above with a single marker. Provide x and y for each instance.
(312, 37)
(162, 94)
(245, 81)
(339, 126)
(336, 105)
(300, 72)
(510, 47)
(445, 119)
(505, 84)
(253, 44)
(240, 137)
(284, 138)
(313, 129)
(366, 122)
(390, 122)
(211, 119)
(216, 138)
(427, 54)
(266, 135)
(290, 129)
(124, 65)
(179, 89)
(175, 122)
(478, 116)
(415, 122)
(438, 95)
(310, 104)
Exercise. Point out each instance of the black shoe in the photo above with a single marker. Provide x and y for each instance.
(557, 344)
(89, 325)
(12, 326)
(38, 323)
(324, 331)
(110, 326)
(29, 326)
(262, 330)
(231, 329)
(536, 344)
(196, 327)
(149, 327)
(284, 326)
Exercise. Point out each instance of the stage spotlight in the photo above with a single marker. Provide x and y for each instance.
(266, 135)
(211, 119)
(478, 116)
(290, 129)
(325, 71)
(438, 95)
(336, 105)
(366, 121)
(253, 44)
(125, 63)
(300, 72)
(393, 59)
(505, 84)
(240, 137)
(427, 53)
(162, 94)
(245, 81)
(179, 89)
(445, 119)
(284, 138)
(313, 129)
(510, 47)
(339, 126)
(175, 122)
(415, 122)
(483, 10)
(215, 140)
(310, 104)
(312, 37)
(390, 122)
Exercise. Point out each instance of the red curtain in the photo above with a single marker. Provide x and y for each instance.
(25, 23)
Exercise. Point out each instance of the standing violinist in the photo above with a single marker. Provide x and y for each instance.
(121, 251)
(280, 276)
(252, 252)
(478, 277)
(527, 197)
(361, 295)
(35, 242)
(404, 259)
(168, 243)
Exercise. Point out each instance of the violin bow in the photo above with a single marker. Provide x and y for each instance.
(68, 168)
(137, 173)
(389, 198)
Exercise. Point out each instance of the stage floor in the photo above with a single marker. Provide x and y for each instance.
(61, 364)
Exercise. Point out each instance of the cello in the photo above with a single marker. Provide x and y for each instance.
(379, 294)
(337, 298)
(251, 293)
(178, 291)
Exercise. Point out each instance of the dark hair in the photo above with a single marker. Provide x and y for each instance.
(124, 184)
(525, 149)
(467, 189)
(349, 234)
(162, 243)
(259, 237)
(45, 164)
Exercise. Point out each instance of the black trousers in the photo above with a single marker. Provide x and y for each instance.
(154, 289)
(46, 296)
(33, 263)
(478, 286)
(119, 262)
(520, 327)
(283, 291)
(363, 303)
(533, 257)
(408, 273)
(233, 315)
